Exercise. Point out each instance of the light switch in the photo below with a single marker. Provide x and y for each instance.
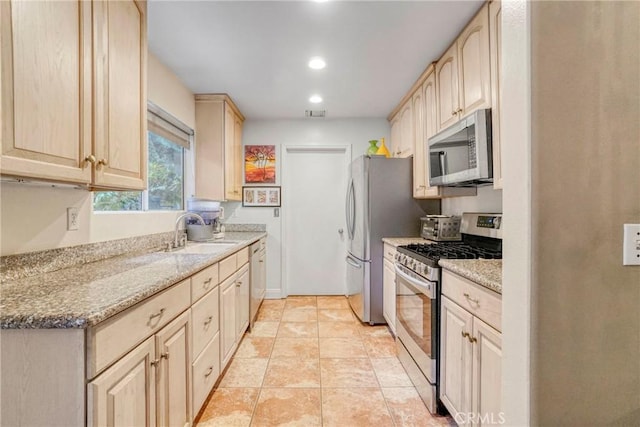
(631, 245)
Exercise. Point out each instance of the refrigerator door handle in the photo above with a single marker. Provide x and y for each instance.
(353, 263)
(350, 210)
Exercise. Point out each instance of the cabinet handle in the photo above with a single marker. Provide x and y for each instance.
(473, 300)
(90, 159)
(154, 363)
(101, 162)
(459, 110)
(209, 371)
(209, 319)
(158, 314)
(453, 113)
(465, 334)
(208, 281)
(261, 260)
(164, 355)
(472, 339)
(235, 192)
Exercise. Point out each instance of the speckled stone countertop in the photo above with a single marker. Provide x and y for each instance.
(399, 241)
(84, 295)
(485, 272)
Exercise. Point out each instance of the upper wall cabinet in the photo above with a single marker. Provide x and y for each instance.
(402, 132)
(218, 148)
(463, 73)
(495, 35)
(54, 79)
(120, 88)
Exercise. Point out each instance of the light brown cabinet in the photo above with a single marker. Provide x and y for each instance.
(471, 351)
(495, 36)
(402, 137)
(463, 73)
(148, 386)
(73, 92)
(218, 148)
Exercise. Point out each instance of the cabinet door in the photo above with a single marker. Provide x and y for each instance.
(487, 373)
(419, 174)
(389, 294)
(262, 280)
(229, 154)
(209, 155)
(495, 37)
(120, 94)
(447, 88)
(242, 308)
(238, 162)
(227, 319)
(430, 128)
(473, 63)
(455, 357)
(174, 372)
(125, 394)
(406, 131)
(45, 94)
(396, 135)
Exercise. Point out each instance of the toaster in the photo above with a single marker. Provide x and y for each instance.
(440, 228)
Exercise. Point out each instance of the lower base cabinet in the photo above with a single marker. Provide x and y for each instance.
(389, 294)
(150, 385)
(471, 356)
(153, 364)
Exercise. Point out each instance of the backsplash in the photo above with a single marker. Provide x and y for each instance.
(245, 227)
(28, 264)
(487, 200)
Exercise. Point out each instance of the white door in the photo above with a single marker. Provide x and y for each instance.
(313, 196)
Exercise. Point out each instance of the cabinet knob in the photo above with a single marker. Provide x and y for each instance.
(90, 159)
(453, 113)
(101, 162)
(459, 110)
(154, 363)
(209, 319)
(164, 355)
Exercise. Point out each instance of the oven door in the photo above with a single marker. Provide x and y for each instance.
(416, 318)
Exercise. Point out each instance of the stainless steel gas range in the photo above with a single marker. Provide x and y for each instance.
(418, 297)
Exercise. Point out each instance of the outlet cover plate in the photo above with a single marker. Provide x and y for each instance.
(631, 245)
(72, 219)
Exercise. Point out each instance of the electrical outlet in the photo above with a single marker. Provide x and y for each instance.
(631, 245)
(221, 214)
(72, 219)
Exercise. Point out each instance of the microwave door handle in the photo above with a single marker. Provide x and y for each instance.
(442, 155)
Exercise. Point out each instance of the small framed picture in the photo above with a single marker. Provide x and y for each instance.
(261, 196)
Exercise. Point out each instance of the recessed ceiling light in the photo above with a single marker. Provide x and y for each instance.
(317, 63)
(315, 99)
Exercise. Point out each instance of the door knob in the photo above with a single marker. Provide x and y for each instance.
(340, 230)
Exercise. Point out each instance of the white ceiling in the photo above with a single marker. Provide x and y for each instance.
(257, 51)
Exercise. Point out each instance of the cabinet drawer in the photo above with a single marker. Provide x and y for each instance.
(263, 243)
(205, 321)
(227, 267)
(206, 370)
(203, 282)
(389, 252)
(479, 301)
(111, 339)
(243, 257)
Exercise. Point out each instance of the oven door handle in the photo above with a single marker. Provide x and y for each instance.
(425, 287)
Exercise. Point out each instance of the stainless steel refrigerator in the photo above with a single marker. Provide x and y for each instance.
(379, 204)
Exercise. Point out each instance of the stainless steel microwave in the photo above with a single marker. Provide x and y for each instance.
(460, 155)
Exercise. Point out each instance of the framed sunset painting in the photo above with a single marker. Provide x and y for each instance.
(260, 164)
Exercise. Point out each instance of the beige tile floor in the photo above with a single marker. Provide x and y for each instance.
(309, 362)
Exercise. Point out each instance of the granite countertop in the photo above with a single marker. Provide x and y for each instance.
(399, 241)
(84, 295)
(485, 272)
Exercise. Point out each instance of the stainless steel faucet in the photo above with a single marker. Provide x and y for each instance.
(177, 242)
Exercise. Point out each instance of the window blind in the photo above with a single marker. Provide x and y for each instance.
(164, 124)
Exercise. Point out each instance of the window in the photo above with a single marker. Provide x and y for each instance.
(167, 139)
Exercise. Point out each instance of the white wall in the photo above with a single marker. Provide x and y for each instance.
(354, 132)
(34, 217)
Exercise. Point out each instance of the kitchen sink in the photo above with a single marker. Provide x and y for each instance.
(206, 248)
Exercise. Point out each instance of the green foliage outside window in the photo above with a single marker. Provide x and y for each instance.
(165, 181)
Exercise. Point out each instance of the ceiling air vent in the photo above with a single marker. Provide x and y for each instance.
(315, 113)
